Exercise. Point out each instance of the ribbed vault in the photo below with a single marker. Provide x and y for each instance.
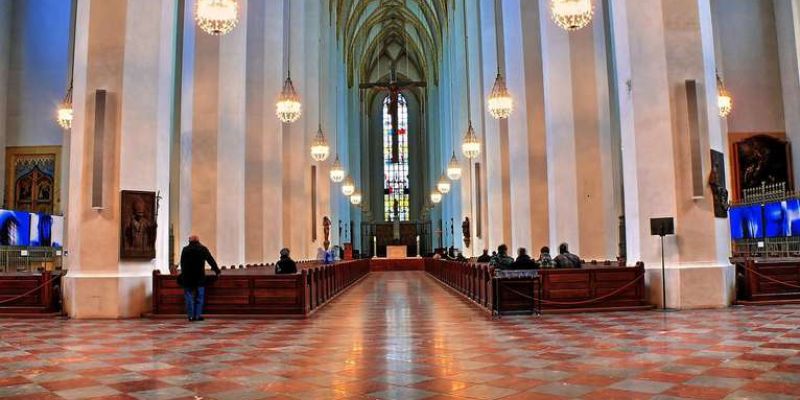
(381, 32)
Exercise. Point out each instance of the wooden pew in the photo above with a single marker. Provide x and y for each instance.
(596, 286)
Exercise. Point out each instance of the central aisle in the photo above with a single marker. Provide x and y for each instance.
(400, 335)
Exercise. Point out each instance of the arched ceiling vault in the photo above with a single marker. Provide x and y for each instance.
(368, 28)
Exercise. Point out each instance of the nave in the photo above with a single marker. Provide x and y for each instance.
(402, 335)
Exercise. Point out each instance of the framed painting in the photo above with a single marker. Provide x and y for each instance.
(138, 225)
(33, 181)
(762, 158)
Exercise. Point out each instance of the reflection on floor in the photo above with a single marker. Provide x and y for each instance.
(399, 335)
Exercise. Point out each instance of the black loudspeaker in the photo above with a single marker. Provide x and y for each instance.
(662, 226)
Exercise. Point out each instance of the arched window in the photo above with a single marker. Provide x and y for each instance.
(395, 166)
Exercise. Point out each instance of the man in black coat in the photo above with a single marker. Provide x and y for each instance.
(565, 259)
(193, 276)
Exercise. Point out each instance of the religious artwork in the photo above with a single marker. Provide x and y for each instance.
(138, 222)
(32, 179)
(716, 181)
(326, 229)
(761, 159)
(465, 231)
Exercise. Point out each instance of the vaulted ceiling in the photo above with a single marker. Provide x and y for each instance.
(372, 30)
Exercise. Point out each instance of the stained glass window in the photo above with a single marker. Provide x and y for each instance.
(395, 165)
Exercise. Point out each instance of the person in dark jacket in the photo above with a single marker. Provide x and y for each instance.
(545, 261)
(285, 265)
(565, 259)
(485, 257)
(524, 261)
(502, 260)
(193, 276)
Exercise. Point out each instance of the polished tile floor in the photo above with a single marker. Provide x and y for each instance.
(401, 335)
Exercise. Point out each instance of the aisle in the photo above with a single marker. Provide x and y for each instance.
(400, 335)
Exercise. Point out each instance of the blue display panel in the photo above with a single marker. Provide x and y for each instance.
(15, 228)
(746, 222)
(775, 223)
(792, 217)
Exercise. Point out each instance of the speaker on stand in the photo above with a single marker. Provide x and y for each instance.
(662, 227)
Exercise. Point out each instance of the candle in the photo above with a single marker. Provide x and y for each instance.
(375, 246)
(418, 250)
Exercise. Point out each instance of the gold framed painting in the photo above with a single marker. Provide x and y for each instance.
(33, 179)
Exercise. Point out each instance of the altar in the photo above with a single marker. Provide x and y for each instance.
(396, 251)
(394, 240)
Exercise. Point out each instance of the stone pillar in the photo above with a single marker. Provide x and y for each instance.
(787, 25)
(562, 189)
(231, 142)
(5, 59)
(660, 44)
(134, 66)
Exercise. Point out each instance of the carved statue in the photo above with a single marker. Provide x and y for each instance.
(465, 231)
(716, 181)
(326, 227)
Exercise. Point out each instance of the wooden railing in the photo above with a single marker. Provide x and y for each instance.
(257, 290)
(593, 287)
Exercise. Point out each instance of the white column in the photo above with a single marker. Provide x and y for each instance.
(231, 139)
(514, 21)
(560, 127)
(787, 25)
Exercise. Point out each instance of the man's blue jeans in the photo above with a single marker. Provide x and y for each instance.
(194, 301)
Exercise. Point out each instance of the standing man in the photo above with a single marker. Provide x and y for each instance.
(193, 276)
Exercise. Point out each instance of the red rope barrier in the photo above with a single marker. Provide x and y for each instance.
(582, 302)
(34, 290)
(769, 278)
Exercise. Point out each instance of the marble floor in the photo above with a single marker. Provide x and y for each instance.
(400, 335)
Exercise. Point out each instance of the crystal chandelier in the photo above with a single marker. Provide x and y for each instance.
(454, 168)
(571, 14)
(288, 108)
(337, 172)
(349, 186)
(216, 17)
(319, 146)
(471, 146)
(64, 111)
(355, 198)
(500, 103)
(724, 99)
(443, 185)
(436, 196)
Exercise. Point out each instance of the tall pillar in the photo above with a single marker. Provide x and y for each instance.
(231, 142)
(134, 66)
(670, 41)
(787, 26)
(562, 188)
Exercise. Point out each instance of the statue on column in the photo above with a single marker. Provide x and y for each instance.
(716, 181)
(326, 227)
(465, 231)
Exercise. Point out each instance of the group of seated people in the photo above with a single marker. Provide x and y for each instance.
(500, 259)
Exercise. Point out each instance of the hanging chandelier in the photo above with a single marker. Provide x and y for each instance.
(436, 196)
(500, 103)
(349, 186)
(64, 112)
(337, 171)
(724, 99)
(288, 108)
(319, 146)
(471, 146)
(443, 185)
(454, 168)
(572, 14)
(355, 198)
(216, 17)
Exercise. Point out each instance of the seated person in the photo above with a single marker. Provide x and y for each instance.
(565, 259)
(502, 260)
(524, 261)
(545, 261)
(484, 258)
(460, 257)
(285, 265)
